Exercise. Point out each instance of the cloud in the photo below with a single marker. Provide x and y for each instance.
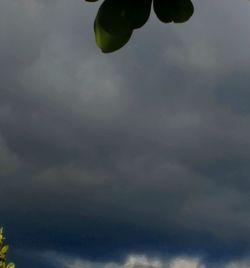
(143, 261)
(144, 150)
(132, 261)
(9, 162)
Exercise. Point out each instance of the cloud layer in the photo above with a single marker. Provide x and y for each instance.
(145, 150)
(143, 261)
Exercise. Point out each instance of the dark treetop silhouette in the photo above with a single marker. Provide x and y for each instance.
(117, 19)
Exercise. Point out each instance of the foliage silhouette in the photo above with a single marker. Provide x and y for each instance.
(3, 252)
(117, 19)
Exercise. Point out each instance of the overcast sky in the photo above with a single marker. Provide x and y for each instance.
(136, 159)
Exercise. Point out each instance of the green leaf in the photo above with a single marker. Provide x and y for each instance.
(5, 249)
(137, 12)
(11, 265)
(108, 42)
(112, 17)
(177, 11)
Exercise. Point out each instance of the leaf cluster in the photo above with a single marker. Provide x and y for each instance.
(3, 252)
(117, 19)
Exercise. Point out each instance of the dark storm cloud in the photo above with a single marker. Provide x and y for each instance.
(143, 150)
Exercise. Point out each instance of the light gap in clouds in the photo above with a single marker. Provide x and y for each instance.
(132, 261)
(144, 261)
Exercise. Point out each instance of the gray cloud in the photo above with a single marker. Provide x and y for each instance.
(154, 136)
(143, 261)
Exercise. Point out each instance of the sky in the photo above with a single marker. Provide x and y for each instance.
(135, 159)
